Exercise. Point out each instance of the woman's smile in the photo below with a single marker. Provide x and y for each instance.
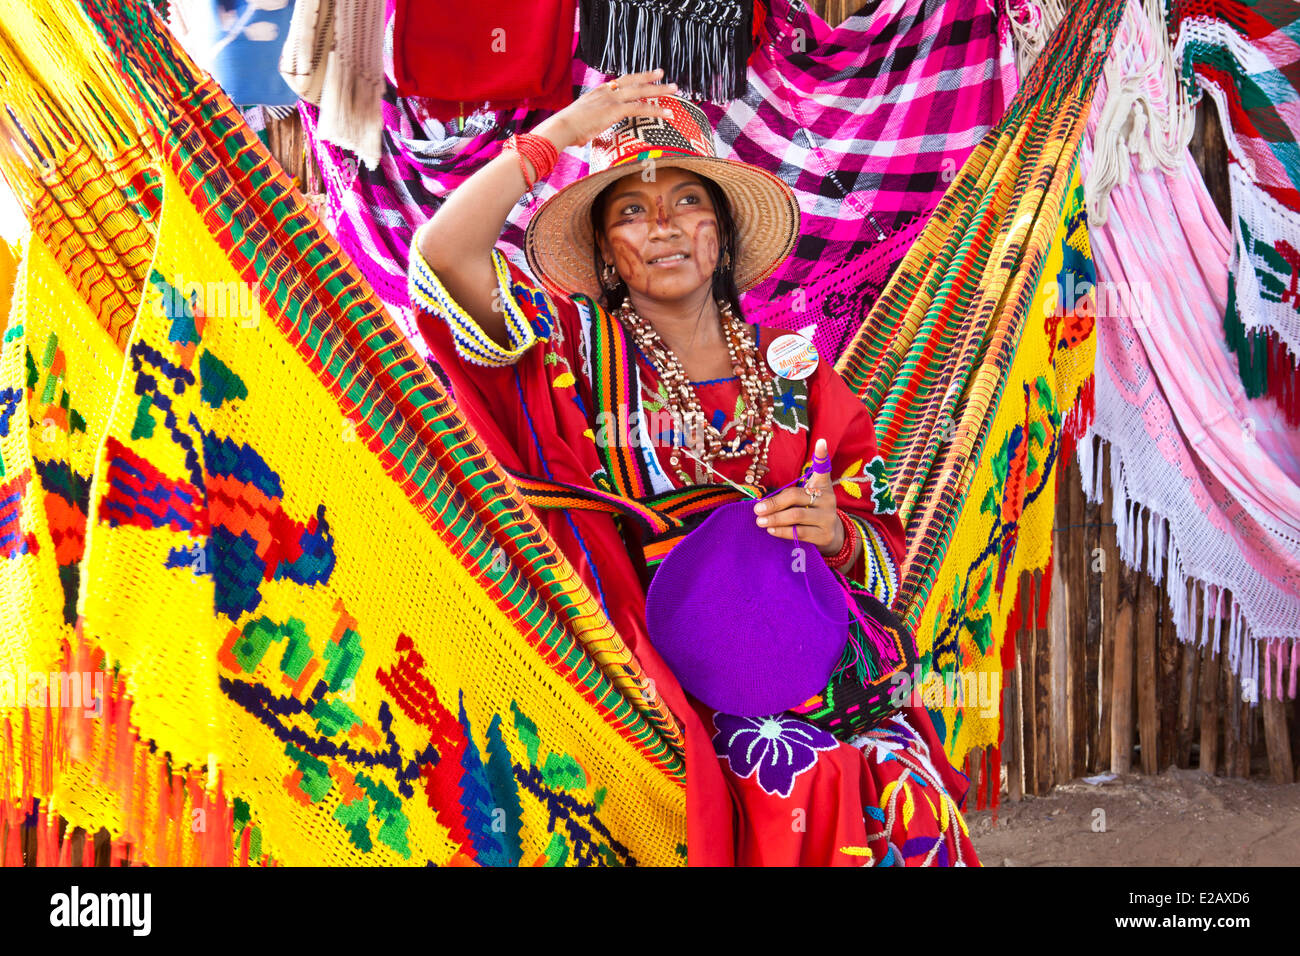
(668, 261)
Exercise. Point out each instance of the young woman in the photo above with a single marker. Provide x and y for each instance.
(630, 371)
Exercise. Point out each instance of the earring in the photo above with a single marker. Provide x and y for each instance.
(609, 277)
(726, 259)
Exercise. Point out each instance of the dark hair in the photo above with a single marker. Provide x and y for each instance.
(724, 279)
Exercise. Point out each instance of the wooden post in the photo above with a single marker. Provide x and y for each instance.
(1124, 624)
(1231, 715)
(30, 836)
(1110, 577)
(1076, 628)
(1249, 715)
(1245, 756)
(1026, 661)
(1209, 709)
(1168, 680)
(1293, 721)
(1095, 702)
(1278, 740)
(1058, 627)
(974, 771)
(286, 141)
(1148, 716)
(835, 12)
(1211, 152)
(1046, 775)
(1187, 698)
(1013, 738)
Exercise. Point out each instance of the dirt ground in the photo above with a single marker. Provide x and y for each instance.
(1179, 818)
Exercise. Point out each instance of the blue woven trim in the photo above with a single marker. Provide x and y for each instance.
(522, 334)
(472, 343)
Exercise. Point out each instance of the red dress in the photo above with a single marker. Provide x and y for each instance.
(775, 790)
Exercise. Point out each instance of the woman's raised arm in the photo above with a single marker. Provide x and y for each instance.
(457, 242)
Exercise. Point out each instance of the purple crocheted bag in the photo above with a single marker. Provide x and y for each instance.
(750, 623)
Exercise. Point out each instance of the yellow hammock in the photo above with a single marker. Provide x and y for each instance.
(973, 363)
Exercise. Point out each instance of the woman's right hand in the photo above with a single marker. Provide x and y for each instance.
(601, 107)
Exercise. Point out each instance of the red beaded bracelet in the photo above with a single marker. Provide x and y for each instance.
(842, 556)
(539, 151)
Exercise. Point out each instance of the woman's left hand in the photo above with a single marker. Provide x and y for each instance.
(813, 517)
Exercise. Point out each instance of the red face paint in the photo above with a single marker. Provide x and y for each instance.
(645, 221)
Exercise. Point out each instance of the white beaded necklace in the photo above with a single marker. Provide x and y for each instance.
(755, 386)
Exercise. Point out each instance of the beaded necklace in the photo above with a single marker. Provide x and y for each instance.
(755, 386)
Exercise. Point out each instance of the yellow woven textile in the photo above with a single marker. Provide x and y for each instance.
(323, 626)
(397, 652)
(59, 368)
(396, 626)
(31, 599)
(329, 642)
(76, 159)
(1006, 526)
(8, 275)
(941, 363)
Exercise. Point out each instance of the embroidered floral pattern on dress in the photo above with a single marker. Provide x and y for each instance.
(918, 789)
(873, 474)
(777, 748)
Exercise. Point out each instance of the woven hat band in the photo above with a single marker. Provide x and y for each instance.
(646, 156)
(685, 133)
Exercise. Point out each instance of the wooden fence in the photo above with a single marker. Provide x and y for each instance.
(1104, 684)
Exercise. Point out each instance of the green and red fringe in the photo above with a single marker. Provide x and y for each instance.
(1267, 365)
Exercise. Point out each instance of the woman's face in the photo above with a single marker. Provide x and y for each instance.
(662, 236)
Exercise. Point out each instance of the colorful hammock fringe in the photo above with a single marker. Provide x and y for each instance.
(301, 669)
(1247, 57)
(976, 392)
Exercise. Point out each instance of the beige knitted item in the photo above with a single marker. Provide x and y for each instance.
(306, 46)
(333, 57)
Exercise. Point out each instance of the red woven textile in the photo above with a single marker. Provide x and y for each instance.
(495, 53)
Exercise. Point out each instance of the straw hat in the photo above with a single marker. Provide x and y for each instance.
(559, 242)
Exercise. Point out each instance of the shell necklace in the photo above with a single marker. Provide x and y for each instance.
(688, 414)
